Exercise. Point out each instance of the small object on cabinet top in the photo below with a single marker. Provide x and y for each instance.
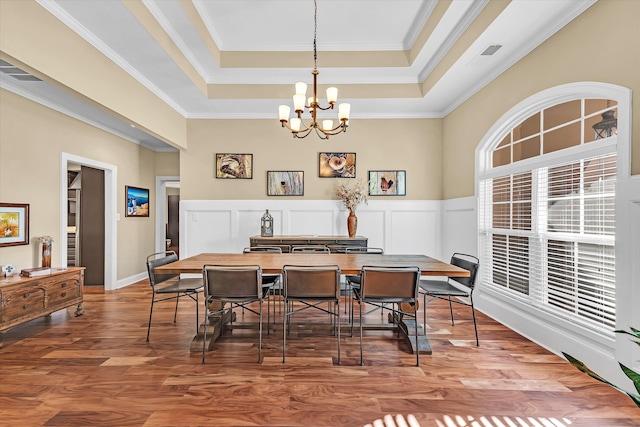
(35, 272)
(8, 270)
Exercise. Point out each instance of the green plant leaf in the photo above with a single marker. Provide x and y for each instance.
(584, 368)
(633, 376)
(635, 333)
(630, 373)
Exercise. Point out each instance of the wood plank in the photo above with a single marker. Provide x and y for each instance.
(98, 369)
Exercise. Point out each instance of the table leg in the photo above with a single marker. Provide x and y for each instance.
(407, 327)
(215, 326)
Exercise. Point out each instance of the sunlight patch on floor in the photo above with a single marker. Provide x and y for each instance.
(399, 420)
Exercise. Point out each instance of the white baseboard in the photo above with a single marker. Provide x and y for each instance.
(121, 283)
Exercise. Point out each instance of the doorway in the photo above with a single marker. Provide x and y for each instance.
(107, 216)
(173, 220)
(165, 186)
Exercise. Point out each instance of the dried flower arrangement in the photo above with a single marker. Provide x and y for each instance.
(46, 239)
(352, 194)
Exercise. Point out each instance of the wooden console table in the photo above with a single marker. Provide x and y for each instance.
(27, 298)
(334, 243)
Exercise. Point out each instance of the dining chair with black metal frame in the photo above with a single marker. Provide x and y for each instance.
(458, 287)
(169, 286)
(236, 285)
(312, 286)
(353, 280)
(397, 287)
(269, 280)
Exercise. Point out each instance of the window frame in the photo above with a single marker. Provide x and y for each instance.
(519, 314)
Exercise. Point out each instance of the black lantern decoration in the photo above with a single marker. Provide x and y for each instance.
(266, 225)
(608, 126)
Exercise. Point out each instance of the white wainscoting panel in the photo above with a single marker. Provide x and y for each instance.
(310, 221)
(415, 232)
(371, 223)
(460, 227)
(397, 226)
(208, 229)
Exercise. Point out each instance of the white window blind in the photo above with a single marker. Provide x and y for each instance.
(548, 235)
(580, 238)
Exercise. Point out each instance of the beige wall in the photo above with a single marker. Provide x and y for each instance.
(31, 140)
(411, 145)
(571, 55)
(168, 164)
(49, 49)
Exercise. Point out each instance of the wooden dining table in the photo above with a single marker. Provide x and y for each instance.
(272, 263)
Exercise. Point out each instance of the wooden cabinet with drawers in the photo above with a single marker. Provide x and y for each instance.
(27, 298)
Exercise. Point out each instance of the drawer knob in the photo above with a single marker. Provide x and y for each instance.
(64, 285)
(64, 294)
(26, 294)
(26, 306)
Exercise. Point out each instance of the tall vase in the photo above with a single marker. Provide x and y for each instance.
(352, 224)
(46, 252)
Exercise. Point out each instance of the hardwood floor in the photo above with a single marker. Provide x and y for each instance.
(97, 369)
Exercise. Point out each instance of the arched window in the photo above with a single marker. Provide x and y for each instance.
(546, 189)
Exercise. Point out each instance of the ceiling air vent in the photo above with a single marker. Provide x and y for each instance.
(17, 73)
(491, 50)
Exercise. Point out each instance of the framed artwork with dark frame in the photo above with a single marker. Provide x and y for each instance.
(14, 224)
(234, 165)
(285, 183)
(137, 200)
(337, 165)
(387, 183)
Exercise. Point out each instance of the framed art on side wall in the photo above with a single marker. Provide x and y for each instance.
(233, 165)
(337, 165)
(387, 183)
(14, 224)
(285, 183)
(137, 201)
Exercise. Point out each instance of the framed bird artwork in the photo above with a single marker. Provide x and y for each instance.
(388, 183)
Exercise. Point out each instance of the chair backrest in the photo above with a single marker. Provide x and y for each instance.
(302, 281)
(156, 260)
(284, 248)
(468, 262)
(270, 249)
(363, 250)
(390, 282)
(311, 249)
(232, 281)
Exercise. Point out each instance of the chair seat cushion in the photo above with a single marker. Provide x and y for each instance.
(182, 285)
(380, 300)
(441, 287)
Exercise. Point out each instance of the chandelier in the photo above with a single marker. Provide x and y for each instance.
(297, 126)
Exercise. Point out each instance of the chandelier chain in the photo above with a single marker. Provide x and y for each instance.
(315, 31)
